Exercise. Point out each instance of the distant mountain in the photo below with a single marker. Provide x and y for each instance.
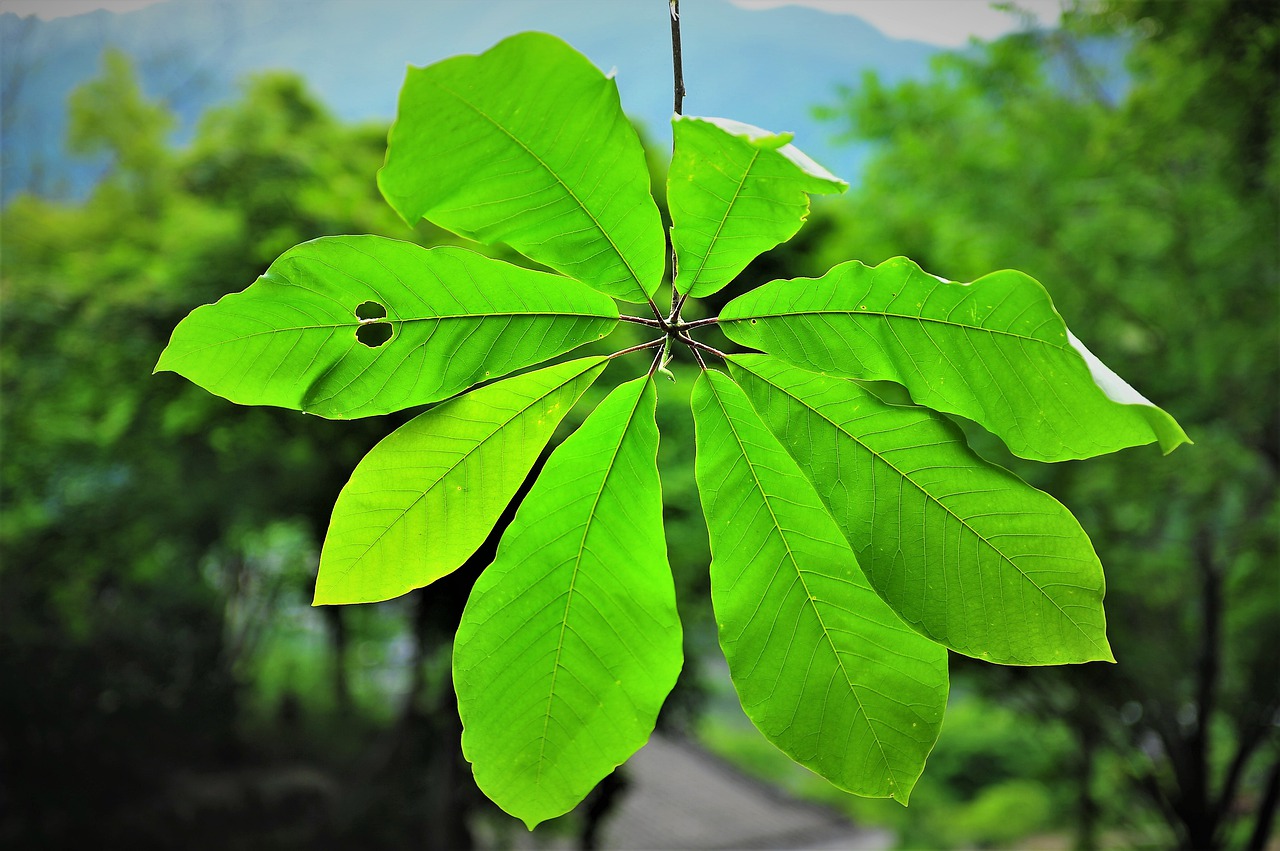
(767, 68)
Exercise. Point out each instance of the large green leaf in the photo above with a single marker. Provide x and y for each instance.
(352, 326)
(824, 668)
(734, 191)
(570, 640)
(994, 351)
(964, 550)
(527, 144)
(421, 502)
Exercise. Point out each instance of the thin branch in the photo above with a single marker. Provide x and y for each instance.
(1266, 812)
(677, 64)
(640, 320)
(677, 68)
(1244, 752)
(680, 304)
(657, 360)
(1084, 75)
(642, 346)
(697, 323)
(657, 313)
(692, 343)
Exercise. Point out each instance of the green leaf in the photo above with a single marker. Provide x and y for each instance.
(824, 668)
(570, 641)
(735, 191)
(994, 351)
(527, 144)
(963, 550)
(425, 498)
(351, 326)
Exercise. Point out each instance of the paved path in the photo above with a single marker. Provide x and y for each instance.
(682, 797)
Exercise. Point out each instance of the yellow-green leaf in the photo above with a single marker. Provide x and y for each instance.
(570, 640)
(425, 498)
(824, 668)
(527, 144)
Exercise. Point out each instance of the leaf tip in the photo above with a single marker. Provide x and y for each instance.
(163, 362)
(1172, 438)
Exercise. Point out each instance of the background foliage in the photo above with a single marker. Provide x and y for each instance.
(163, 679)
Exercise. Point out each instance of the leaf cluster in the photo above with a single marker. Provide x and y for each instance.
(853, 541)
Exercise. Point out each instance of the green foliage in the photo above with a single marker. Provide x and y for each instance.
(570, 641)
(1014, 553)
(449, 319)
(735, 191)
(1151, 199)
(457, 465)
(993, 351)
(156, 542)
(528, 146)
(608, 654)
(110, 115)
(844, 687)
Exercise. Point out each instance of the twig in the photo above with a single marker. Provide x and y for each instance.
(648, 345)
(677, 68)
(657, 359)
(640, 320)
(676, 63)
(657, 313)
(679, 305)
(697, 323)
(692, 343)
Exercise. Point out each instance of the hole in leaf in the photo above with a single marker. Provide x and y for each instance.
(371, 310)
(374, 334)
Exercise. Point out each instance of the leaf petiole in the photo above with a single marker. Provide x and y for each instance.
(641, 320)
(649, 345)
(697, 323)
(695, 345)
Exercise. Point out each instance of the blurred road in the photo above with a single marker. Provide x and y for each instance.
(682, 797)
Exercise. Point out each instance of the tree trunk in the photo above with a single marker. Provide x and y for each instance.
(335, 618)
(1086, 806)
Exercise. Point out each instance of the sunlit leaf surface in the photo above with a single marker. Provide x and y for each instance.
(824, 668)
(351, 326)
(570, 640)
(735, 191)
(964, 550)
(425, 498)
(527, 144)
(994, 351)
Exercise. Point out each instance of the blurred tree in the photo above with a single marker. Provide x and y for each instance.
(1149, 202)
(111, 115)
(150, 530)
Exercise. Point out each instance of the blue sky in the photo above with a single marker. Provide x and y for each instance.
(947, 23)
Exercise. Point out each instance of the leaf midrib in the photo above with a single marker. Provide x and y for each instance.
(737, 193)
(194, 352)
(809, 600)
(887, 315)
(555, 175)
(934, 500)
(577, 566)
(410, 319)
